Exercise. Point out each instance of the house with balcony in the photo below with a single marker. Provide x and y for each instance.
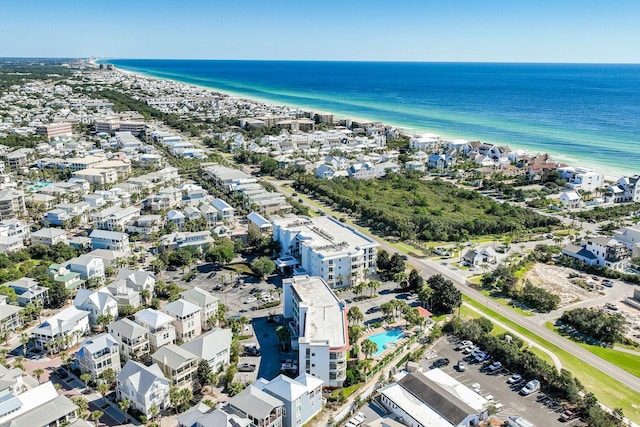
(98, 354)
(123, 294)
(145, 224)
(601, 251)
(115, 217)
(132, 337)
(11, 381)
(49, 236)
(96, 303)
(110, 240)
(11, 203)
(207, 302)
(89, 267)
(160, 326)
(226, 212)
(177, 364)
(10, 244)
(302, 397)
(62, 330)
(262, 409)
(57, 217)
(183, 240)
(187, 319)
(144, 386)
(15, 228)
(29, 291)
(324, 247)
(38, 406)
(10, 318)
(317, 320)
(214, 347)
(138, 280)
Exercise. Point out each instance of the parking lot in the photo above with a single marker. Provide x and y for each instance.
(494, 386)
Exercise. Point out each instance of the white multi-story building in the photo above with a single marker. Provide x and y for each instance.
(322, 246)
(115, 217)
(582, 178)
(160, 326)
(99, 354)
(97, 303)
(70, 325)
(318, 323)
(133, 338)
(110, 240)
(144, 386)
(187, 317)
(207, 302)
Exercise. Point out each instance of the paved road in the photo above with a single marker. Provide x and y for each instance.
(429, 268)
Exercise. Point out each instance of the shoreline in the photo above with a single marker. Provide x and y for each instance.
(611, 174)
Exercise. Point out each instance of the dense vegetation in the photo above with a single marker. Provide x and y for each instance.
(408, 207)
(599, 213)
(18, 71)
(597, 324)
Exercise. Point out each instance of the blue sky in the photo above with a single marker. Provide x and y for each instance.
(402, 30)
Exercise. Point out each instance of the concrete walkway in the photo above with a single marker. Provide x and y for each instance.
(553, 357)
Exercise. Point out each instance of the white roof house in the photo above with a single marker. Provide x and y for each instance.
(144, 386)
(38, 406)
(96, 303)
(153, 319)
(212, 346)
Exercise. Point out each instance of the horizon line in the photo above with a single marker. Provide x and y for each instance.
(107, 58)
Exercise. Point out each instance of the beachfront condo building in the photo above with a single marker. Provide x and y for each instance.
(317, 320)
(324, 247)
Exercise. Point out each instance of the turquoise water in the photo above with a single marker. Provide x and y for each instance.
(583, 114)
(386, 337)
(38, 185)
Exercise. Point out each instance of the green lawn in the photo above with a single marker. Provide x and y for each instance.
(609, 391)
(627, 361)
(505, 302)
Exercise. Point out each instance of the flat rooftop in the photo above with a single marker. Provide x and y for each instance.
(325, 319)
(325, 234)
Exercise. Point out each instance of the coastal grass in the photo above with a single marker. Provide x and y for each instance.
(627, 361)
(505, 302)
(608, 390)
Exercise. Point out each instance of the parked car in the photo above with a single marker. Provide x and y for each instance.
(250, 300)
(246, 367)
(608, 283)
(515, 378)
(611, 306)
(530, 387)
(470, 349)
(461, 366)
(441, 362)
(494, 366)
(462, 345)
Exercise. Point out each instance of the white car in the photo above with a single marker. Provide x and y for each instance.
(250, 300)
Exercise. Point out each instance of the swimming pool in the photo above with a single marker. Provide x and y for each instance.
(386, 339)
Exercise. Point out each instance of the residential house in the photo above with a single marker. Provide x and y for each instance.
(439, 161)
(138, 280)
(601, 251)
(325, 171)
(160, 326)
(38, 406)
(323, 246)
(629, 187)
(49, 236)
(124, 295)
(144, 386)
(145, 224)
(98, 354)
(183, 240)
(110, 240)
(202, 415)
(96, 303)
(187, 319)
(582, 178)
(29, 291)
(56, 216)
(11, 203)
(226, 212)
(261, 408)
(259, 224)
(206, 301)
(20, 157)
(177, 364)
(10, 244)
(322, 352)
(62, 330)
(69, 279)
(630, 236)
(90, 267)
(302, 397)
(115, 217)
(10, 318)
(11, 381)
(571, 200)
(176, 217)
(214, 347)
(132, 337)
(479, 256)
(15, 228)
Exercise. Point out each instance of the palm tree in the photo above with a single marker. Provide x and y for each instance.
(24, 340)
(146, 296)
(82, 405)
(38, 372)
(153, 412)
(400, 278)
(359, 289)
(95, 416)
(283, 336)
(374, 285)
(124, 405)
(175, 396)
(425, 294)
(354, 315)
(103, 388)
(85, 378)
(369, 347)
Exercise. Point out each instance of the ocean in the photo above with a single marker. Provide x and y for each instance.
(582, 114)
